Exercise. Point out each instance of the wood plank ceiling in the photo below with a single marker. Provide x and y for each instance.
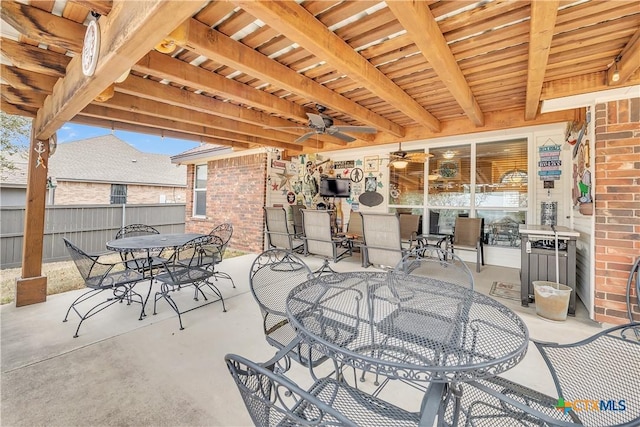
(244, 73)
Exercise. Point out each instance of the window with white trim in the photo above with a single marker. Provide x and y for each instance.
(200, 191)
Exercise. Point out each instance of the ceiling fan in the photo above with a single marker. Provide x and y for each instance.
(399, 159)
(323, 124)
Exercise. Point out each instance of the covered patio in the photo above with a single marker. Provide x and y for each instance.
(254, 77)
(122, 371)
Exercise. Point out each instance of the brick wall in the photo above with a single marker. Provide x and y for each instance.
(617, 206)
(73, 193)
(236, 191)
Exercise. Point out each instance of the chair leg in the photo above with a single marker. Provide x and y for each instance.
(164, 293)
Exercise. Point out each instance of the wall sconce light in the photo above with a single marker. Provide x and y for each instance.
(616, 74)
(449, 154)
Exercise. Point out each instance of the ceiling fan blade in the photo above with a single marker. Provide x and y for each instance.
(305, 137)
(316, 120)
(358, 129)
(419, 157)
(342, 136)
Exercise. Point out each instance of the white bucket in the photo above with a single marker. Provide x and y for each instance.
(552, 299)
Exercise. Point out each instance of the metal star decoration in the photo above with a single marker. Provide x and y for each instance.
(285, 179)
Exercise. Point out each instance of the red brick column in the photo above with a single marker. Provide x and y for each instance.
(236, 193)
(617, 206)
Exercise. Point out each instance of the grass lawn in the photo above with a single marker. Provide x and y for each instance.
(61, 277)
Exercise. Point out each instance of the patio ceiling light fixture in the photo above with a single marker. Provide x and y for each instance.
(616, 73)
(449, 154)
(399, 164)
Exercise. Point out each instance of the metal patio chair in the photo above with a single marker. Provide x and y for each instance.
(274, 400)
(111, 277)
(435, 262)
(382, 242)
(596, 380)
(468, 235)
(409, 225)
(224, 231)
(634, 315)
(152, 260)
(272, 275)
(191, 265)
(318, 239)
(277, 230)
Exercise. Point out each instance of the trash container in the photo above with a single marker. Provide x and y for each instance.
(552, 299)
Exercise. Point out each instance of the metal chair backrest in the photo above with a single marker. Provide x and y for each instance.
(606, 367)
(435, 262)
(409, 225)
(317, 232)
(296, 214)
(133, 230)
(272, 275)
(200, 252)
(634, 315)
(274, 400)
(224, 231)
(381, 233)
(277, 228)
(467, 232)
(355, 224)
(84, 262)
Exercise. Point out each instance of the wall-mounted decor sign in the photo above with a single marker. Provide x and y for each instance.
(549, 163)
(90, 48)
(344, 164)
(371, 163)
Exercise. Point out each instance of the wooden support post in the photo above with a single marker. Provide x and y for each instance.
(31, 288)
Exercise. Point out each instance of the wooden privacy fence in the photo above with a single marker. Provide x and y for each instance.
(89, 226)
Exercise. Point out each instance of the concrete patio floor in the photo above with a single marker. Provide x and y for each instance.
(125, 372)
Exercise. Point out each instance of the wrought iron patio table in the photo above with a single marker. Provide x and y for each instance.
(149, 243)
(409, 327)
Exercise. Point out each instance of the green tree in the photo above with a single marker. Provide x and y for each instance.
(14, 138)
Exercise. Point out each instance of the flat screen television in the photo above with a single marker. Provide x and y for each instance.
(335, 187)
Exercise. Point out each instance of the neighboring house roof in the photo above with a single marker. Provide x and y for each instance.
(110, 159)
(16, 178)
(206, 152)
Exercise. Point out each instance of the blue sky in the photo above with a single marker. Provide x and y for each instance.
(142, 142)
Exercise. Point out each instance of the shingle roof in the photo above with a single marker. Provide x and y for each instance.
(18, 176)
(109, 159)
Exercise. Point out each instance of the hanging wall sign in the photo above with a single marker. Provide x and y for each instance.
(345, 164)
(549, 163)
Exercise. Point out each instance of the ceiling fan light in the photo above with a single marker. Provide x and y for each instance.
(399, 164)
(449, 154)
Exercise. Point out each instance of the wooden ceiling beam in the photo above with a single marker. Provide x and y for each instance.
(262, 123)
(131, 29)
(132, 103)
(300, 26)
(185, 74)
(42, 26)
(629, 61)
(167, 133)
(102, 7)
(220, 48)
(26, 97)
(423, 28)
(122, 116)
(592, 82)
(32, 58)
(17, 110)
(27, 80)
(543, 22)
